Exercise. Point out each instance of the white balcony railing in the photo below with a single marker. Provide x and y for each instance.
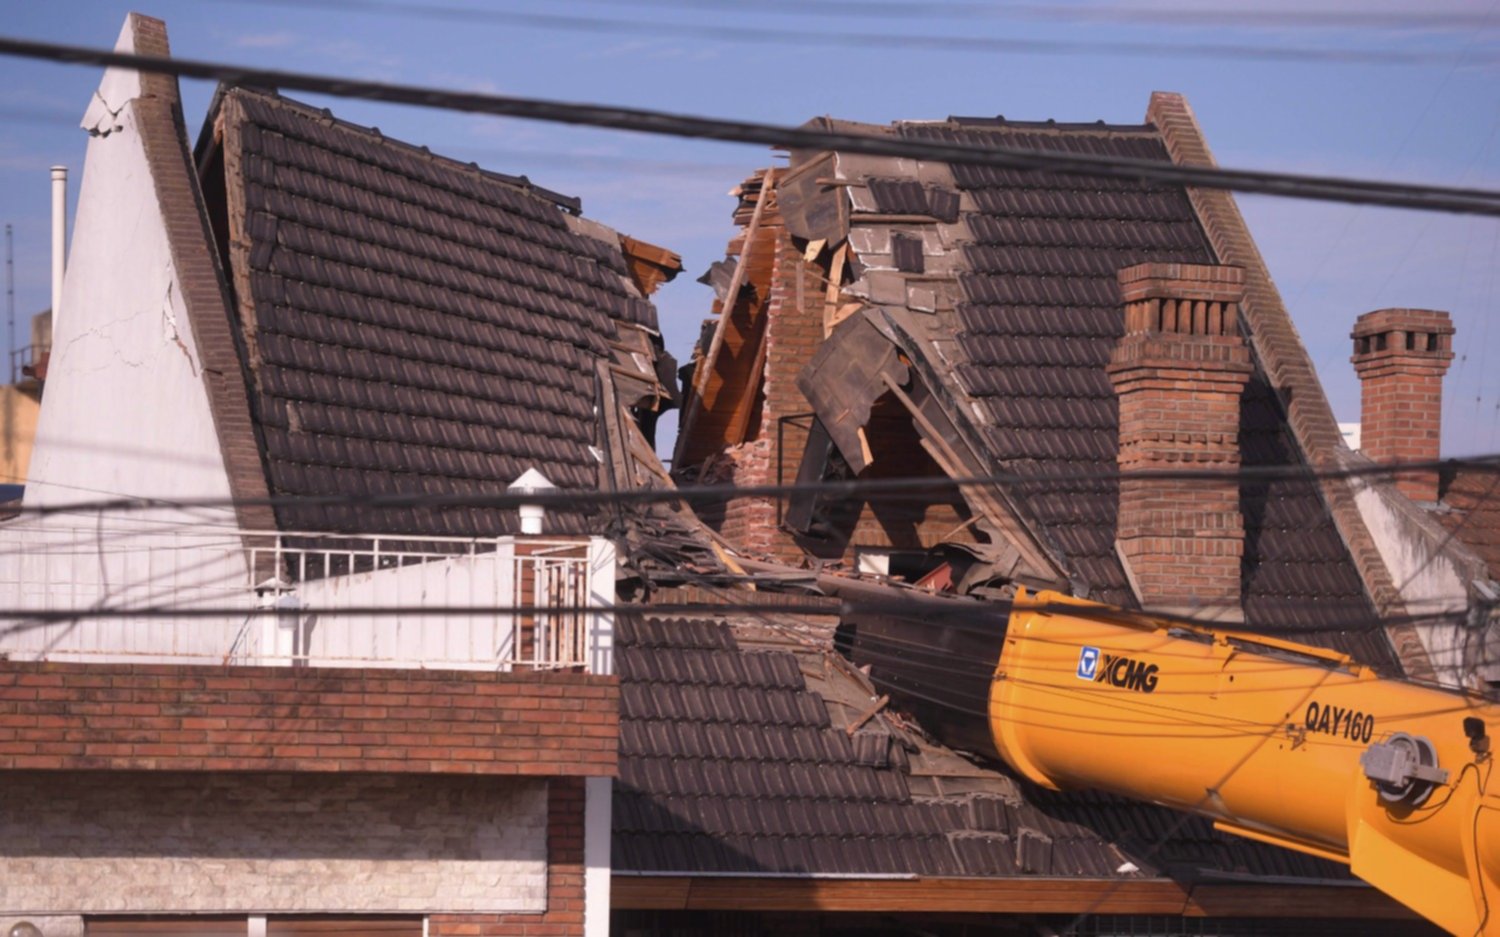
(171, 592)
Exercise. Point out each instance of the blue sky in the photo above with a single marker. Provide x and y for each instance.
(1389, 97)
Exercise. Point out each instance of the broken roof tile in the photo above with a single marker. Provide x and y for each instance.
(759, 795)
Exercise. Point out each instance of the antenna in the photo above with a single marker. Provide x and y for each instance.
(10, 302)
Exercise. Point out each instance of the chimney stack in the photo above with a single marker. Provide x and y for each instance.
(1401, 356)
(1179, 372)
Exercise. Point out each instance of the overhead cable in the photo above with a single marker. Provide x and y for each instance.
(1186, 16)
(844, 37)
(851, 488)
(26, 619)
(1323, 188)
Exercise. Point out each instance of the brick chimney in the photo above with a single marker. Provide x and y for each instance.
(1179, 371)
(1401, 356)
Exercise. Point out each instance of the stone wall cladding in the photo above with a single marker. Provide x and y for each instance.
(170, 843)
(56, 716)
(565, 895)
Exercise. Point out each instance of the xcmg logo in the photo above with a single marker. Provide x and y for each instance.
(1116, 670)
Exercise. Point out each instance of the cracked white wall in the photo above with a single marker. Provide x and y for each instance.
(126, 410)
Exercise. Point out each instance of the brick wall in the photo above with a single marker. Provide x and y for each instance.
(176, 717)
(1401, 356)
(194, 842)
(794, 324)
(790, 293)
(565, 897)
(913, 519)
(1179, 372)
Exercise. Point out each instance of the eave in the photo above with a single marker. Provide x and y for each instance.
(1021, 895)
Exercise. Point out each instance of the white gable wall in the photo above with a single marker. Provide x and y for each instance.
(126, 410)
(125, 413)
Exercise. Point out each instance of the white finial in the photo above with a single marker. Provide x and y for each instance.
(531, 514)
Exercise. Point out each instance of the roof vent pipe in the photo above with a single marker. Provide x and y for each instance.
(532, 515)
(59, 236)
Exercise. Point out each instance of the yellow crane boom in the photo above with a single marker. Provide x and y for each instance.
(1277, 741)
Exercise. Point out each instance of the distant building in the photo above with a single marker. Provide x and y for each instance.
(20, 403)
(1350, 432)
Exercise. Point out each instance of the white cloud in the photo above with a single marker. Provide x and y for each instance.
(276, 40)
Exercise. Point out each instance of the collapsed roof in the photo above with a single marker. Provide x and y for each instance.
(977, 308)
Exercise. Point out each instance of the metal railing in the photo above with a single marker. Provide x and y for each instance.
(215, 594)
(26, 358)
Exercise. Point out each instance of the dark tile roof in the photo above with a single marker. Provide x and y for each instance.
(416, 325)
(1473, 500)
(1039, 315)
(730, 763)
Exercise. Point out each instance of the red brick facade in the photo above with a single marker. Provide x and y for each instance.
(793, 330)
(186, 718)
(565, 879)
(1179, 372)
(1401, 356)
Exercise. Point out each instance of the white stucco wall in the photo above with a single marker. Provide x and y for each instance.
(100, 842)
(125, 413)
(126, 410)
(1426, 566)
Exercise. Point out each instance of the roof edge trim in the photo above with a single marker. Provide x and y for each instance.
(203, 282)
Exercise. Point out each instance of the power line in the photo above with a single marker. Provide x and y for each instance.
(1324, 188)
(850, 488)
(861, 39)
(1154, 15)
(26, 619)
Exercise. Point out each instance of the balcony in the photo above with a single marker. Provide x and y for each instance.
(168, 592)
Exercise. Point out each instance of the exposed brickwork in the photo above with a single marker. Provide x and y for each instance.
(787, 298)
(1179, 371)
(57, 716)
(161, 842)
(1280, 351)
(793, 320)
(1401, 356)
(204, 293)
(565, 895)
(910, 520)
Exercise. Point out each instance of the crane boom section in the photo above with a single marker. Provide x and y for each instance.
(1281, 742)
